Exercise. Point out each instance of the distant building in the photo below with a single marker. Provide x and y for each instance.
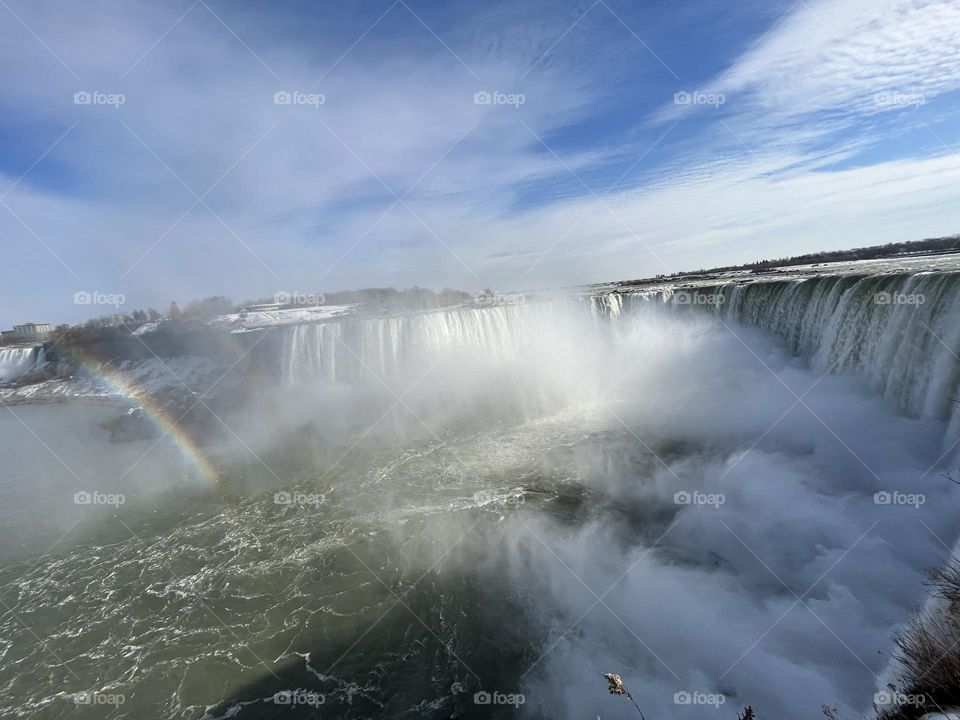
(30, 331)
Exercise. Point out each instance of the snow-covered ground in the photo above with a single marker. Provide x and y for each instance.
(949, 262)
(255, 319)
(147, 328)
(155, 376)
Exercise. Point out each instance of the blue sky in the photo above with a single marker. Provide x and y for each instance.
(621, 140)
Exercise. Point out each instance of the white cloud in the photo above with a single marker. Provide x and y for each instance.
(302, 199)
(831, 55)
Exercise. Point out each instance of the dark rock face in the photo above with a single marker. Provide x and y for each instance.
(131, 425)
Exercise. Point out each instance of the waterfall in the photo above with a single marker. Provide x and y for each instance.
(15, 361)
(362, 348)
(901, 332)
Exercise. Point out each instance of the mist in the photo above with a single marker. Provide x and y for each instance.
(434, 360)
(780, 591)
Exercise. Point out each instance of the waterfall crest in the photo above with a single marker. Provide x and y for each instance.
(899, 331)
(360, 348)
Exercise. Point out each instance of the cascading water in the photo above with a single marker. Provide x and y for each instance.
(15, 361)
(899, 331)
(369, 348)
(511, 360)
(603, 482)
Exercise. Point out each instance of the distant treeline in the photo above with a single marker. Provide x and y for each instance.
(915, 247)
(197, 314)
(107, 327)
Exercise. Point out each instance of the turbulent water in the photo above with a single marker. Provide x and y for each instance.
(476, 512)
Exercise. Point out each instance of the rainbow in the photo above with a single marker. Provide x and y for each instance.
(167, 425)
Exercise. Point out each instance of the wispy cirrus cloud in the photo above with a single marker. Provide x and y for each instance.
(399, 177)
(838, 57)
